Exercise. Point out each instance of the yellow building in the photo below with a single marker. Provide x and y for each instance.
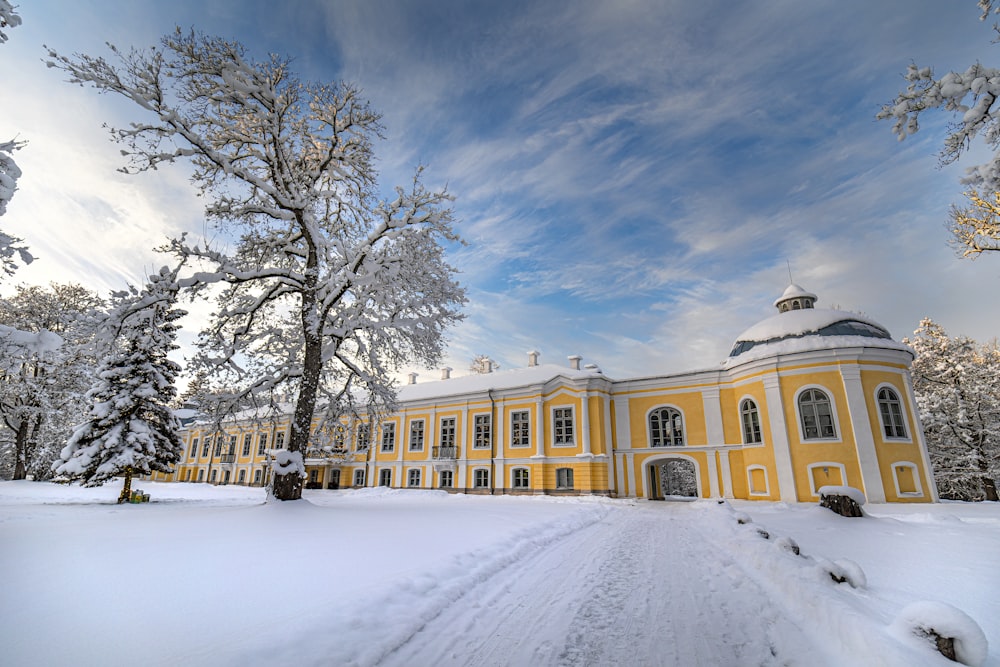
(807, 398)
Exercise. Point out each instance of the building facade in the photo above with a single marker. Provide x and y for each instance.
(807, 398)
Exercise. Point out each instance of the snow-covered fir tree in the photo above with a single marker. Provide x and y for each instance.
(132, 429)
(957, 387)
(48, 354)
(329, 289)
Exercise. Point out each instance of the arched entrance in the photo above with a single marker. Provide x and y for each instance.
(672, 478)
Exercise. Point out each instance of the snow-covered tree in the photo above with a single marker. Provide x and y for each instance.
(971, 96)
(957, 387)
(8, 19)
(328, 288)
(48, 353)
(9, 171)
(132, 429)
(482, 363)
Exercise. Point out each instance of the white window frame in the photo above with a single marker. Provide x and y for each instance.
(902, 414)
(451, 479)
(833, 415)
(359, 477)
(362, 437)
(447, 438)
(563, 475)
(385, 477)
(649, 427)
(825, 464)
(261, 444)
(413, 478)
(482, 434)
(413, 444)
(514, 474)
(193, 454)
(480, 472)
(523, 426)
(743, 425)
(559, 423)
(767, 481)
(256, 476)
(388, 437)
(915, 471)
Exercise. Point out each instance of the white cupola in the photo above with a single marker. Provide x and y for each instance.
(794, 298)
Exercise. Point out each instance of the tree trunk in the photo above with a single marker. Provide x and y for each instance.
(990, 487)
(288, 486)
(126, 493)
(21, 451)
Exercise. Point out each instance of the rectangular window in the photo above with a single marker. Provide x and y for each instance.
(218, 446)
(482, 430)
(413, 477)
(446, 479)
(359, 478)
(213, 476)
(417, 435)
(256, 476)
(204, 447)
(201, 475)
(520, 478)
(562, 426)
(247, 439)
(313, 476)
(481, 478)
(385, 477)
(363, 437)
(194, 449)
(564, 478)
(279, 440)
(520, 428)
(232, 445)
(261, 444)
(388, 437)
(243, 476)
(447, 432)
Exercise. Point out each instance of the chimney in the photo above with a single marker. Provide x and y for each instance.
(532, 358)
(413, 378)
(574, 362)
(446, 373)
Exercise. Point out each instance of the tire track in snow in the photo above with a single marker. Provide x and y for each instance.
(640, 587)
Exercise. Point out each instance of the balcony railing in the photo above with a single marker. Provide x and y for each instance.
(449, 453)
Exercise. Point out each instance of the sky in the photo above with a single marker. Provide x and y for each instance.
(636, 180)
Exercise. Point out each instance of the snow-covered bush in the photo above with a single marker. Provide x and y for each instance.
(933, 622)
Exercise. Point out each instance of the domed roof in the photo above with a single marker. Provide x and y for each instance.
(798, 327)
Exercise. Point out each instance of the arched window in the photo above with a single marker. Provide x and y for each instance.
(666, 428)
(816, 414)
(891, 410)
(751, 422)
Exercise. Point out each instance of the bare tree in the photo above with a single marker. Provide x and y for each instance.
(327, 288)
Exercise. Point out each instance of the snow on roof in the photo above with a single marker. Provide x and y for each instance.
(480, 382)
(807, 330)
(800, 322)
(794, 291)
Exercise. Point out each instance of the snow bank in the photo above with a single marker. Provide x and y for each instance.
(918, 620)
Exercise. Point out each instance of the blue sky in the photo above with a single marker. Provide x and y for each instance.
(631, 176)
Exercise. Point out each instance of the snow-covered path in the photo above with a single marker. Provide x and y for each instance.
(632, 588)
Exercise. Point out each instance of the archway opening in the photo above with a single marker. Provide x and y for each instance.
(673, 479)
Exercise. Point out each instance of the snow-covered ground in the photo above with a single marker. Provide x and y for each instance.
(212, 575)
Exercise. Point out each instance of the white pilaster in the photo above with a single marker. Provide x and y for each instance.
(713, 416)
(857, 407)
(779, 438)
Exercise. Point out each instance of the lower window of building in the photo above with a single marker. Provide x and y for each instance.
(520, 478)
(385, 478)
(413, 477)
(564, 478)
(481, 478)
(359, 478)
